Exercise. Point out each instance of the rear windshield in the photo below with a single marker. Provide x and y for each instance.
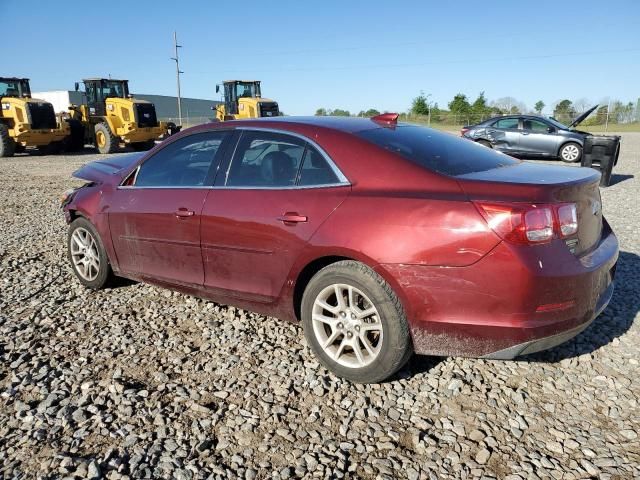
(439, 151)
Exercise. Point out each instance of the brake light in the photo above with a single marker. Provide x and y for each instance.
(529, 223)
(463, 131)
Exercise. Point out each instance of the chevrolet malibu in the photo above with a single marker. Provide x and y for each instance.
(381, 238)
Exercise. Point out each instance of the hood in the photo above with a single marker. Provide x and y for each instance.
(109, 169)
(580, 118)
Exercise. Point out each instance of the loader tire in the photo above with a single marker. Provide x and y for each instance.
(75, 141)
(143, 146)
(7, 144)
(106, 141)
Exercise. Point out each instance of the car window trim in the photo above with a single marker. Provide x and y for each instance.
(211, 173)
(226, 162)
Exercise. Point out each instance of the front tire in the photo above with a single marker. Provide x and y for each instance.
(87, 255)
(106, 141)
(570, 152)
(7, 144)
(355, 323)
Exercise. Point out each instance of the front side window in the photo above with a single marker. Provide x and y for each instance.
(535, 126)
(265, 159)
(246, 90)
(113, 90)
(507, 123)
(183, 163)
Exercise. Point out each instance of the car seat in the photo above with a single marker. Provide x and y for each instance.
(277, 169)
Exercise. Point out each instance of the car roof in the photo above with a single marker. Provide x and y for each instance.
(517, 115)
(344, 124)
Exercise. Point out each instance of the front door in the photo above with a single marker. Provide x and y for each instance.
(155, 217)
(275, 194)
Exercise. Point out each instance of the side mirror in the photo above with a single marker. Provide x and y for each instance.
(551, 130)
(77, 85)
(217, 88)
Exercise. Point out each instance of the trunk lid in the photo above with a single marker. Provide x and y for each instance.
(531, 183)
(108, 169)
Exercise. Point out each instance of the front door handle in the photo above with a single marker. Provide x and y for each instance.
(184, 213)
(291, 218)
(525, 133)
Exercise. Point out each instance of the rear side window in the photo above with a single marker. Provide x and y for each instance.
(507, 123)
(183, 163)
(315, 170)
(437, 151)
(266, 159)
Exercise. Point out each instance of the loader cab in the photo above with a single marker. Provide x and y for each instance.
(15, 87)
(97, 90)
(236, 89)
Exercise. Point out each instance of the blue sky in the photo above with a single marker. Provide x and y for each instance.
(334, 54)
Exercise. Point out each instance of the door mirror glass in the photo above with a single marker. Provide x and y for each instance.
(77, 85)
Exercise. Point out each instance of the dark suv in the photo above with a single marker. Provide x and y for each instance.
(531, 136)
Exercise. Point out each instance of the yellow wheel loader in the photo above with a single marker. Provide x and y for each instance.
(110, 117)
(28, 122)
(243, 99)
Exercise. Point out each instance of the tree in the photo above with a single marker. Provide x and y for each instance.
(480, 107)
(539, 106)
(372, 112)
(507, 104)
(460, 105)
(419, 105)
(321, 112)
(338, 112)
(564, 111)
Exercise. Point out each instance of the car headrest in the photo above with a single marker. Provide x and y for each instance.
(277, 169)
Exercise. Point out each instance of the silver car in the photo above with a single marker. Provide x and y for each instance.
(531, 136)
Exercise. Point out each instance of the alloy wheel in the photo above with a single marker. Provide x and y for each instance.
(347, 326)
(84, 254)
(570, 153)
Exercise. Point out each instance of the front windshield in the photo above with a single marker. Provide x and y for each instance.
(112, 89)
(557, 124)
(14, 88)
(247, 89)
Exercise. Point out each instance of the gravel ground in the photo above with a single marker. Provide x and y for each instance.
(137, 381)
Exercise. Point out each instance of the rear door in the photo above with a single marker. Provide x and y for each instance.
(504, 134)
(538, 137)
(267, 203)
(155, 217)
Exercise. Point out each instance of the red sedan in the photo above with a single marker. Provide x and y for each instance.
(382, 239)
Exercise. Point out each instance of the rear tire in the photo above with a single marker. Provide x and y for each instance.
(106, 141)
(364, 336)
(570, 152)
(87, 255)
(143, 146)
(484, 143)
(7, 144)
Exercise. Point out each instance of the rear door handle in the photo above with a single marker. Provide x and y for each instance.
(184, 213)
(292, 218)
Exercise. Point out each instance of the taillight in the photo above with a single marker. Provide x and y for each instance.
(463, 131)
(567, 219)
(529, 223)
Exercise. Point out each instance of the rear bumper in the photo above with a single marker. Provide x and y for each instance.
(512, 302)
(546, 343)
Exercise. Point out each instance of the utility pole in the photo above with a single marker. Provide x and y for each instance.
(178, 72)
